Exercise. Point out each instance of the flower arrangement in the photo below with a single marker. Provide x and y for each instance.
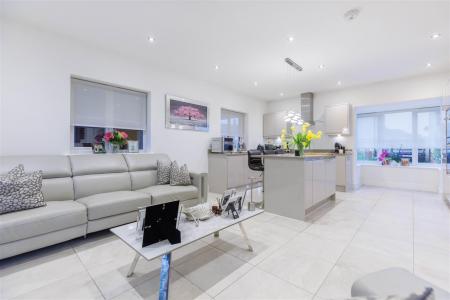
(384, 157)
(302, 140)
(116, 137)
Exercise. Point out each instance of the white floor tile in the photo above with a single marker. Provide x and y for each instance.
(258, 284)
(209, 268)
(304, 271)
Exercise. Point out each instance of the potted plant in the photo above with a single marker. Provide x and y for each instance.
(384, 157)
(115, 140)
(302, 140)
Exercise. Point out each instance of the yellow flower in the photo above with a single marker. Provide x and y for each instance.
(283, 131)
(305, 126)
(293, 129)
(310, 135)
(319, 134)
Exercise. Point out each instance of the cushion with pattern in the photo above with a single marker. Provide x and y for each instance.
(7, 181)
(24, 193)
(179, 176)
(163, 172)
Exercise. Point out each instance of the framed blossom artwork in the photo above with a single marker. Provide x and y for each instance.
(186, 114)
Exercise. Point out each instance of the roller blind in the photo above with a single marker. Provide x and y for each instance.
(101, 105)
(414, 128)
(232, 123)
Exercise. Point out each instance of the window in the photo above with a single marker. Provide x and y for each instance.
(413, 134)
(232, 123)
(97, 108)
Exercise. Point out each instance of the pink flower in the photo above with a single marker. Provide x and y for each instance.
(123, 134)
(108, 136)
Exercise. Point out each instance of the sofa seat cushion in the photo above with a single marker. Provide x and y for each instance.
(57, 215)
(167, 193)
(113, 203)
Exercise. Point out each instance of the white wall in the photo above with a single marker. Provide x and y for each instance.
(415, 88)
(35, 112)
(387, 92)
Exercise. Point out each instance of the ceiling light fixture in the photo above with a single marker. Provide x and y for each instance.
(291, 39)
(151, 39)
(255, 83)
(435, 36)
(293, 64)
(216, 67)
(293, 117)
(321, 66)
(339, 83)
(428, 65)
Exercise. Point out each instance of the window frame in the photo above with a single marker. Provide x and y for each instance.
(415, 147)
(146, 133)
(245, 123)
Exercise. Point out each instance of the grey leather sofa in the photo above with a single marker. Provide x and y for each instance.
(87, 193)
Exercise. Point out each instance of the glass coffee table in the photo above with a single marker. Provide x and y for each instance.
(189, 234)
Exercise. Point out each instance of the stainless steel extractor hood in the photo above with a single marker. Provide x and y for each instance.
(307, 107)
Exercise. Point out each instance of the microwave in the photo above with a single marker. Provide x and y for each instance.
(222, 144)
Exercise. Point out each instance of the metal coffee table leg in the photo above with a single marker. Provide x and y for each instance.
(164, 277)
(133, 265)
(244, 233)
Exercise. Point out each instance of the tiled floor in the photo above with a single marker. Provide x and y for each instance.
(364, 231)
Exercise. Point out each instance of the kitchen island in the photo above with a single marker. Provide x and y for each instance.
(296, 185)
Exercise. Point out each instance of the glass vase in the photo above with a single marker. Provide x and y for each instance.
(299, 151)
(112, 148)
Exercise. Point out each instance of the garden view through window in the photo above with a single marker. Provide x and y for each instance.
(414, 135)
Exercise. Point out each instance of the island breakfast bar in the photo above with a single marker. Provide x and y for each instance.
(296, 185)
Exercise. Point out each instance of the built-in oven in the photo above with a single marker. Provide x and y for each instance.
(222, 144)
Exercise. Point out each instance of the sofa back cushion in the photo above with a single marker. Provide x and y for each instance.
(95, 174)
(56, 173)
(142, 168)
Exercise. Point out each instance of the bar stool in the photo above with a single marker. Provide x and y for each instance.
(255, 163)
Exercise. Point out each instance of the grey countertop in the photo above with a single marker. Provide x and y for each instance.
(311, 154)
(307, 156)
(229, 153)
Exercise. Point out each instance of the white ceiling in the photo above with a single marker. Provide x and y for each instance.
(249, 40)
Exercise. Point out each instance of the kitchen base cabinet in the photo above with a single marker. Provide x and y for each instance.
(295, 186)
(344, 171)
(227, 171)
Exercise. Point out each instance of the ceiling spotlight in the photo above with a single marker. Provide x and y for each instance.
(321, 66)
(339, 83)
(281, 94)
(435, 36)
(151, 39)
(216, 67)
(352, 14)
(291, 39)
(255, 83)
(428, 65)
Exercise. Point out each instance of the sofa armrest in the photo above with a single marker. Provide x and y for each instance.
(200, 180)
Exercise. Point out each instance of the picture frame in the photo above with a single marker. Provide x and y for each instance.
(98, 148)
(133, 146)
(186, 114)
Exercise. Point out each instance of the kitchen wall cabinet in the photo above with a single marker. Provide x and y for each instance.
(337, 119)
(273, 123)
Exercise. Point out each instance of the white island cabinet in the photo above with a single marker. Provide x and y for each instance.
(295, 186)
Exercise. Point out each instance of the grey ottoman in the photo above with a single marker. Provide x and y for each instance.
(398, 282)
